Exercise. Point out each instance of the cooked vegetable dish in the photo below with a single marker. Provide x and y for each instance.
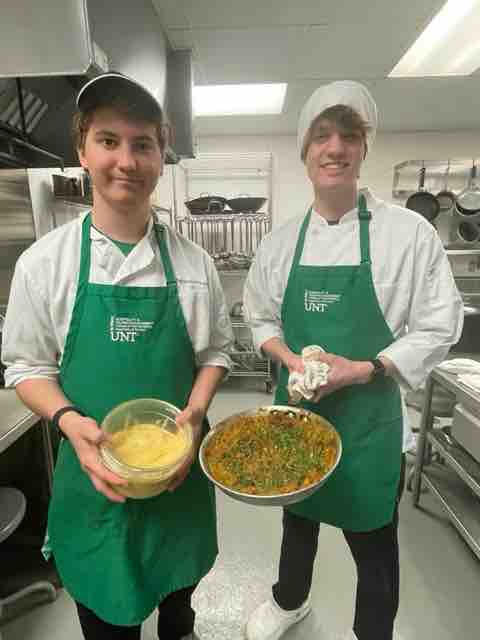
(272, 452)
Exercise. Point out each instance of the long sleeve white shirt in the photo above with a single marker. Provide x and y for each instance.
(44, 287)
(412, 278)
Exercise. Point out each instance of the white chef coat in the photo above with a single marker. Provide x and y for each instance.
(44, 286)
(411, 275)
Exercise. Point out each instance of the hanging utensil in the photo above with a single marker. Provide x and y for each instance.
(468, 202)
(446, 198)
(468, 232)
(422, 201)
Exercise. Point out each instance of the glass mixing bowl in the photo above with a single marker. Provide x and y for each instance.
(147, 478)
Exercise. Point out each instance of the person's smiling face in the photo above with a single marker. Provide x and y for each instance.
(333, 156)
(123, 157)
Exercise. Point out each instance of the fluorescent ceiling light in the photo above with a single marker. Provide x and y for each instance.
(239, 99)
(449, 46)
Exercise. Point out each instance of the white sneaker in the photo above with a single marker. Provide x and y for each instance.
(269, 621)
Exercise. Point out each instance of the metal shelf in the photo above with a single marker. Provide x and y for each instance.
(463, 252)
(466, 467)
(227, 216)
(245, 352)
(229, 234)
(456, 482)
(458, 502)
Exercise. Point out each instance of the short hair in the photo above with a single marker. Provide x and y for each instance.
(129, 105)
(343, 117)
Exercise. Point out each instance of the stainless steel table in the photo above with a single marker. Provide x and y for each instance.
(456, 484)
(15, 420)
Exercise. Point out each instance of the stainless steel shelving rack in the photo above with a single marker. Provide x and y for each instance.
(231, 238)
(456, 483)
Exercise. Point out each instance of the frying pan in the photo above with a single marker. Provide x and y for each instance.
(468, 202)
(206, 204)
(422, 201)
(246, 203)
(446, 198)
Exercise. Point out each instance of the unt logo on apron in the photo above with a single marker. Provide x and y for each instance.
(124, 329)
(319, 301)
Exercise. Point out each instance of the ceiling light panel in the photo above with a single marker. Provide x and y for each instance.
(449, 46)
(239, 99)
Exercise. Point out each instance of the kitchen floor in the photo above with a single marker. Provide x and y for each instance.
(440, 576)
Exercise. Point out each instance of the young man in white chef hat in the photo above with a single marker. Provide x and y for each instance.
(376, 268)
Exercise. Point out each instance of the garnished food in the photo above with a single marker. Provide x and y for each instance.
(272, 452)
(146, 446)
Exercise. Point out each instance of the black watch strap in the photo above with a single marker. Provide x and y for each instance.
(58, 414)
(378, 368)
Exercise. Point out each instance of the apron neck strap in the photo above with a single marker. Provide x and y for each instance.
(164, 254)
(84, 273)
(301, 239)
(364, 217)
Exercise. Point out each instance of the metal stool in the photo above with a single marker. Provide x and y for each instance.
(12, 510)
(443, 403)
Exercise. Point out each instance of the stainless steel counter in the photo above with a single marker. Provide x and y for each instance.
(15, 418)
(464, 395)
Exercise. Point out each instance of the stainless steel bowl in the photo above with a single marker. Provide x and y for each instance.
(276, 500)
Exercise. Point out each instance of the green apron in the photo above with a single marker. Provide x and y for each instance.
(336, 307)
(122, 559)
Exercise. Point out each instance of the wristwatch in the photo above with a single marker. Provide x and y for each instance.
(55, 419)
(378, 368)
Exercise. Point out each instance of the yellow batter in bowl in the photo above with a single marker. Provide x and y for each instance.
(146, 446)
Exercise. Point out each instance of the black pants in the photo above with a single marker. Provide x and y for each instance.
(175, 620)
(376, 556)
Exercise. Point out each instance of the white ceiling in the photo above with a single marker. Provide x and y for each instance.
(309, 42)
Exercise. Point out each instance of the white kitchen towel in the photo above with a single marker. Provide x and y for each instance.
(460, 366)
(304, 385)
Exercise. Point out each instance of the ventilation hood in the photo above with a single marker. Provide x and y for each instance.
(46, 55)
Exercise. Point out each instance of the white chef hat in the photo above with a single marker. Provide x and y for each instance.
(346, 92)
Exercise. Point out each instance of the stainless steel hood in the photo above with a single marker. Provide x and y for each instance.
(46, 54)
